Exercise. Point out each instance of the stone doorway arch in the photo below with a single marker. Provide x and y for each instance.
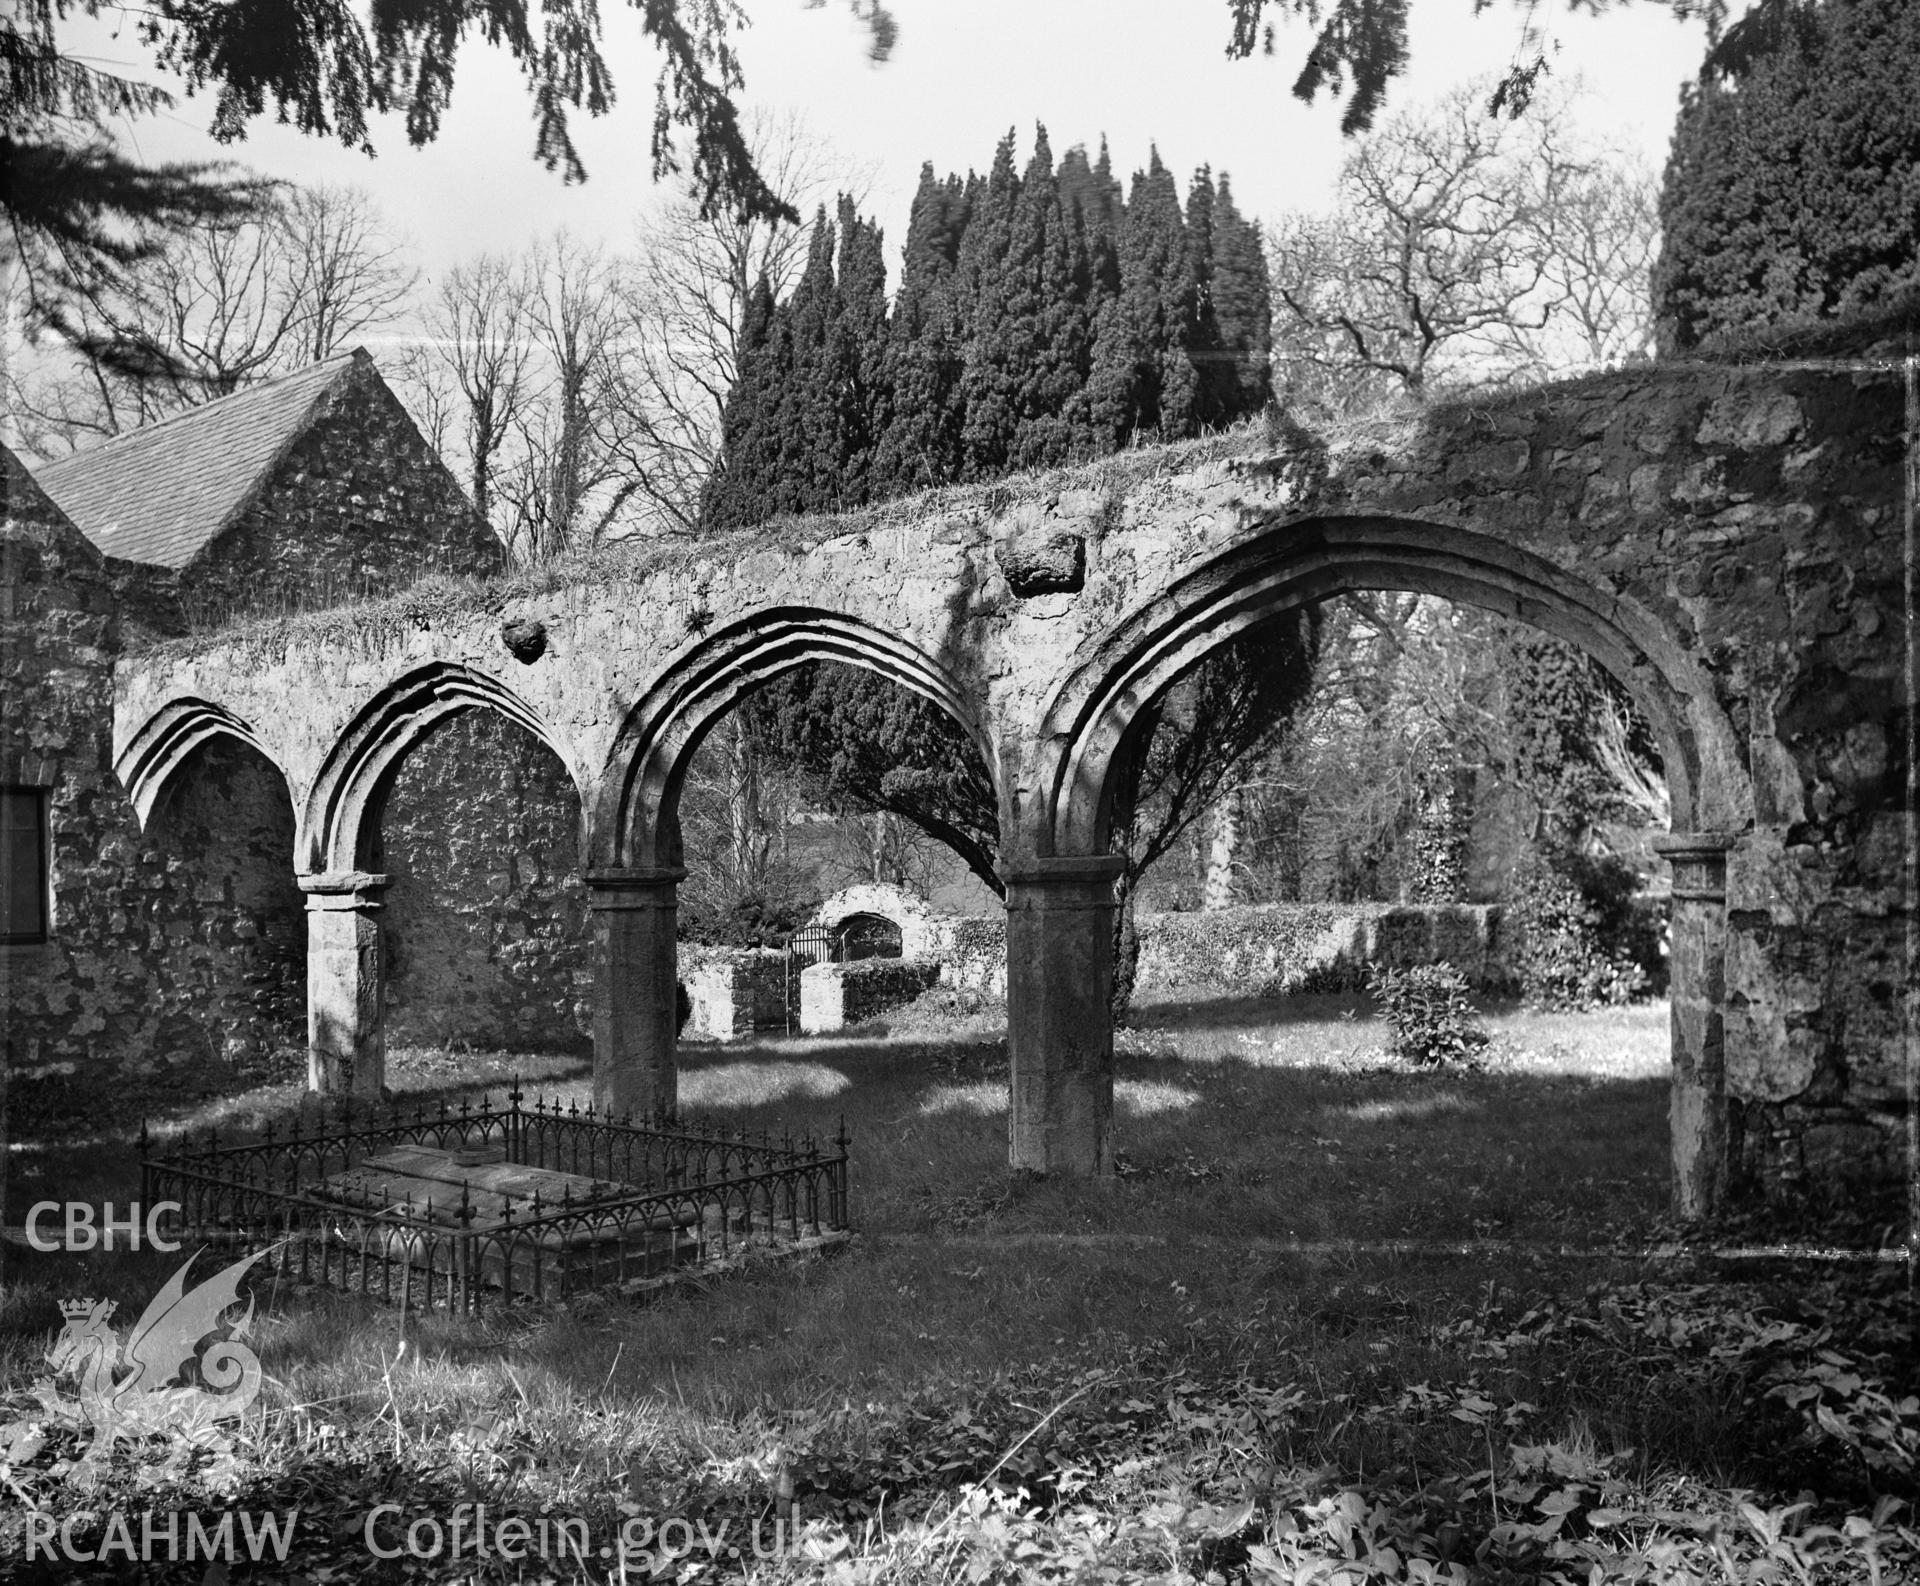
(1059, 895)
(912, 930)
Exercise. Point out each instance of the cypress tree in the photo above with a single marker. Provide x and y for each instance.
(1214, 380)
(1165, 269)
(921, 443)
(1048, 317)
(1793, 187)
(1027, 356)
(853, 385)
(1142, 380)
(807, 445)
(738, 492)
(1092, 202)
(985, 249)
(1241, 297)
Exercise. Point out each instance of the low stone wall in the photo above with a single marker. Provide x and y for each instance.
(833, 995)
(737, 990)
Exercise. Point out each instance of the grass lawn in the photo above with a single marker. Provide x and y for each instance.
(1331, 1315)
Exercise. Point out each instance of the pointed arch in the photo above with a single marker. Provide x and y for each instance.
(167, 739)
(634, 823)
(335, 830)
(1314, 559)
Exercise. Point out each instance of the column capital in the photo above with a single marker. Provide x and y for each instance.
(633, 889)
(1059, 869)
(1699, 861)
(343, 889)
(1699, 848)
(1061, 884)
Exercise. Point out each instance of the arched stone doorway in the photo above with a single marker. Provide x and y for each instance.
(1059, 897)
(635, 838)
(875, 920)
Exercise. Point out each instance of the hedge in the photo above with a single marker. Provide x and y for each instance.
(835, 994)
(1279, 948)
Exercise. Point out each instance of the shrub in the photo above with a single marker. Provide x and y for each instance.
(872, 986)
(1429, 1012)
(752, 919)
(1583, 943)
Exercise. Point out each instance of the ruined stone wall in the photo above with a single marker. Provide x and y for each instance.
(738, 990)
(175, 960)
(485, 921)
(359, 506)
(1727, 538)
(58, 636)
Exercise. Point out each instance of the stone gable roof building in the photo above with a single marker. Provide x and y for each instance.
(140, 947)
(305, 489)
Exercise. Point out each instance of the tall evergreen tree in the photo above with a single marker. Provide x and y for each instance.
(854, 384)
(1214, 380)
(921, 443)
(1094, 203)
(1241, 297)
(805, 443)
(740, 490)
(1095, 209)
(985, 263)
(1142, 380)
(1793, 187)
(1027, 355)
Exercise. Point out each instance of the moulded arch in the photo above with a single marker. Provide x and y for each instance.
(167, 739)
(1290, 565)
(634, 822)
(335, 831)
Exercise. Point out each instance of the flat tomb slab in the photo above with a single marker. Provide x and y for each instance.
(432, 1182)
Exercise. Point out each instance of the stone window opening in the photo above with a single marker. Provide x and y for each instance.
(25, 895)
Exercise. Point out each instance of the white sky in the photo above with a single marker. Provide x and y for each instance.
(1141, 71)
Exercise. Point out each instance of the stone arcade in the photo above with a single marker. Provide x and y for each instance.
(1727, 541)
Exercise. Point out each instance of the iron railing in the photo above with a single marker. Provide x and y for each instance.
(639, 1200)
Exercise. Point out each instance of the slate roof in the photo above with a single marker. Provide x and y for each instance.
(161, 493)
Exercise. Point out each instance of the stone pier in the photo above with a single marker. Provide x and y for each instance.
(635, 1040)
(346, 1045)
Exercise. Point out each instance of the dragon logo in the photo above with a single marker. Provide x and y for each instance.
(156, 1383)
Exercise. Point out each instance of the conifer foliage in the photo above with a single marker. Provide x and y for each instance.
(1040, 318)
(1793, 187)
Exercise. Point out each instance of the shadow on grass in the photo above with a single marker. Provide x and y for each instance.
(1165, 1009)
(1357, 1227)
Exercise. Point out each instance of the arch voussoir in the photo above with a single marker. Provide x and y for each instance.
(167, 739)
(632, 823)
(334, 831)
(1292, 565)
